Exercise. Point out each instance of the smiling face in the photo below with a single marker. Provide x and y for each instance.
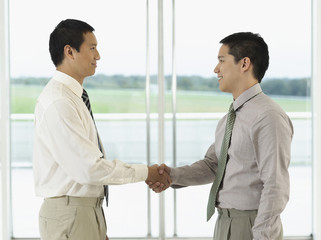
(228, 72)
(85, 61)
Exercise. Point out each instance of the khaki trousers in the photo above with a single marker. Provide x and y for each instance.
(233, 224)
(66, 217)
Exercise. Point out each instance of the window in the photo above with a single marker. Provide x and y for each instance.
(1, 178)
(126, 114)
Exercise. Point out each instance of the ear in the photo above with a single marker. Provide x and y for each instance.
(245, 64)
(69, 52)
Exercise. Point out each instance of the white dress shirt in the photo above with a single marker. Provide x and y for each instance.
(66, 156)
(256, 175)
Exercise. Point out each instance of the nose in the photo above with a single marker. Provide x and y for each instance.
(216, 69)
(97, 55)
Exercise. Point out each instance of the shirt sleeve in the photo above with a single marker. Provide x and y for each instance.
(67, 138)
(200, 172)
(272, 135)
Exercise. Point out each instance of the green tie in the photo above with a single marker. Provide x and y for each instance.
(221, 163)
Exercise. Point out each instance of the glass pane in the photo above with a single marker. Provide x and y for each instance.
(117, 93)
(194, 138)
(0, 168)
(25, 219)
(198, 94)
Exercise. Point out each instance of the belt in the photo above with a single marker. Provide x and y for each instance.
(231, 212)
(76, 201)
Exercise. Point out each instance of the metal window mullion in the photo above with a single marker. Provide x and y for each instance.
(174, 88)
(316, 101)
(147, 92)
(5, 121)
(161, 100)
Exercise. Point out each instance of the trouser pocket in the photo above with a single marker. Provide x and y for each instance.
(56, 222)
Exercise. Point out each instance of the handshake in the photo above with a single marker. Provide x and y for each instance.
(158, 178)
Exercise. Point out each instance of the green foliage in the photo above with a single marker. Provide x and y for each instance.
(39, 81)
(115, 82)
(125, 94)
(286, 87)
(282, 87)
(196, 83)
(24, 97)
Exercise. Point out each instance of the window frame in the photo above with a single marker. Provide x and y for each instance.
(6, 216)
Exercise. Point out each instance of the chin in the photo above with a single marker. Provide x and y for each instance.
(224, 89)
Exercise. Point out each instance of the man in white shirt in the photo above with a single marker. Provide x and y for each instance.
(70, 168)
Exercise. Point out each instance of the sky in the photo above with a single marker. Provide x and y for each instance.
(120, 28)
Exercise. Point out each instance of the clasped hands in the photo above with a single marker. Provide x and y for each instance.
(158, 177)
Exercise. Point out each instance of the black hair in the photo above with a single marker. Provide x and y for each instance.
(67, 32)
(247, 44)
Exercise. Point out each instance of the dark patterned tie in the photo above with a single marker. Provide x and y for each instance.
(221, 162)
(85, 98)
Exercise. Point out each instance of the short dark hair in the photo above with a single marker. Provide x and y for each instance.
(247, 44)
(67, 32)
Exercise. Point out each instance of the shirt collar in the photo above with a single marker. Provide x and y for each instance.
(70, 82)
(247, 95)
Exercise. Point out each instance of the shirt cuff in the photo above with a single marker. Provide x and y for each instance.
(141, 172)
(174, 175)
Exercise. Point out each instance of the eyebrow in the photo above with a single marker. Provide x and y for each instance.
(219, 57)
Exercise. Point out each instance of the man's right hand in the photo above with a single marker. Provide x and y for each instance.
(159, 186)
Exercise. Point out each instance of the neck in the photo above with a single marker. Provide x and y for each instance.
(244, 86)
(68, 71)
